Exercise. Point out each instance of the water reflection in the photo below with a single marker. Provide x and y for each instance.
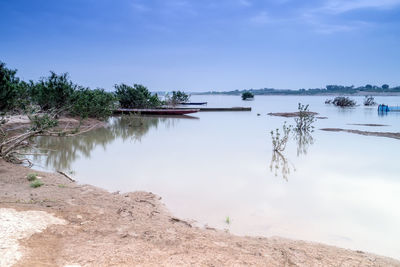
(63, 151)
(304, 140)
(279, 162)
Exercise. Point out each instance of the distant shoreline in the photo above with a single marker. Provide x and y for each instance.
(305, 94)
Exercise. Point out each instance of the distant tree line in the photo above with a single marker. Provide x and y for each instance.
(329, 89)
(58, 92)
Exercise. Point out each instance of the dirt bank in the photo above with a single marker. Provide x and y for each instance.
(369, 124)
(111, 229)
(290, 114)
(367, 133)
(295, 114)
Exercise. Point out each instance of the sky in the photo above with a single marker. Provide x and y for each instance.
(203, 45)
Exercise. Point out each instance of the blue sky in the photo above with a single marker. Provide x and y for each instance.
(201, 45)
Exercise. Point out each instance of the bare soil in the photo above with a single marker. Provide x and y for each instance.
(291, 114)
(367, 133)
(369, 124)
(112, 229)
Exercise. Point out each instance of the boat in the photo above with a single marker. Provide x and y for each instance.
(193, 103)
(156, 111)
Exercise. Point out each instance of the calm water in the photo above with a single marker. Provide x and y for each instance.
(337, 188)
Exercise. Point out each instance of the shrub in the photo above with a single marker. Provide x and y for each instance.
(53, 92)
(180, 96)
(247, 95)
(342, 101)
(176, 98)
(31, 177)
(279, 142)
(369, 101)
(36, 183)
(305, 119)
(137, 96)
(92, 103)
(13, 92)
(41, 122)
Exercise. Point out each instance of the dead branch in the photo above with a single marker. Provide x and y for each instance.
(66, 175)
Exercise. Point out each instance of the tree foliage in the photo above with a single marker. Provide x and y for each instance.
(137, 96)
(180, 97)
(342, 101)
(13, 92)
(55, 91)
(92, 103)
(247, 95)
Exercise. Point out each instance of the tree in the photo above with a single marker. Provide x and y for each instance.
(247, 95)
(385, 86)
(53, 92)
(13, 93)
(342, 101)
(137, 96)
(92, 103)
(180, 96)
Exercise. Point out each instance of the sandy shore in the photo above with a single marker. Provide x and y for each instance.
(88, 226)
(366, 133)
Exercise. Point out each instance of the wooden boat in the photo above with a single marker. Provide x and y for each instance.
(157, 111)
(193, 103)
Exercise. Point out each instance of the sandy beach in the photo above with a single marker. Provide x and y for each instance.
(88, 226)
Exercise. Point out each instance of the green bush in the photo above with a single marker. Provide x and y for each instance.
(247, 95)
(13, 92)
(342, 101)
(31, 177)
(92, 103)
(137, 96)
(53, 92)
(180, 96)
(36, 183)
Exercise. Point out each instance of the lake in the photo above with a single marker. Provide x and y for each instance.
(336, 188)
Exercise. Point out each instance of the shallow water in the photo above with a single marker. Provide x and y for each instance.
(337, 188)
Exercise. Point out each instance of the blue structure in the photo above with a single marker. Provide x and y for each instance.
(385, 108)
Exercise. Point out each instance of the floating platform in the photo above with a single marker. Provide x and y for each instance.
(158, 111)
(193, 103)
(226, 109)
(177, 111)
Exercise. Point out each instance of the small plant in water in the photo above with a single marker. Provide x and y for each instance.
(36, 183)
(31, 177)
(369, 101)
(305, 119)
(228, 220)
(279, 141)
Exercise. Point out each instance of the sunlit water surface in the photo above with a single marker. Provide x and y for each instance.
(341, 189)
